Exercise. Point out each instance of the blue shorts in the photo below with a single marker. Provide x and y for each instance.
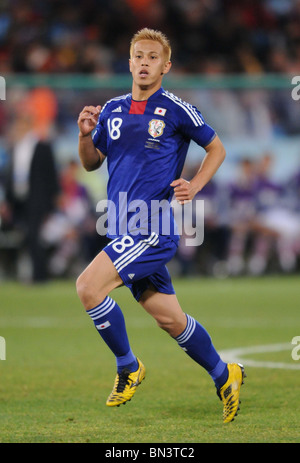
(141, 261)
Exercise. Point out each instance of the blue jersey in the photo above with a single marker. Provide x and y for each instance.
(146, 143)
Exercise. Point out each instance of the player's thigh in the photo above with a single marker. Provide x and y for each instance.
(97, 280)
(166, 310)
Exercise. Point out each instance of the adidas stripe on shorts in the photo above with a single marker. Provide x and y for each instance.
(141, 260)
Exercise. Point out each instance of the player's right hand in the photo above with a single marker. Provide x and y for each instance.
(88, 119)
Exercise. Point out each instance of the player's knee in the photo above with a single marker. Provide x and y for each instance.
(87, 293)
(82, 289)
(164, 325)
(172, 326)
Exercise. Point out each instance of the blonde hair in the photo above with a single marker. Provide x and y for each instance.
(156, 36)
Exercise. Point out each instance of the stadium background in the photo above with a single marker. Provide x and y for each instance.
(235, 61)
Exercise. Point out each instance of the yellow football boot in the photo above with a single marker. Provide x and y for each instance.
(125, 385)
(229, 393)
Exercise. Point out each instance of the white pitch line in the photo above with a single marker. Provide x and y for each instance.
(237, 356)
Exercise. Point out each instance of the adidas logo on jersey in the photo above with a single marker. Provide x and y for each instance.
(117, 110)
(131, 275)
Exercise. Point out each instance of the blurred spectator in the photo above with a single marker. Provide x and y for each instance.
(32, 183)
(70, 231)
(294, 194)
(276, 226)
(293, 189)
(213, 255)
(241, 213)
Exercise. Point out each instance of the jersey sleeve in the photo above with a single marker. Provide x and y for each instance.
(100, 133)
(193, 125)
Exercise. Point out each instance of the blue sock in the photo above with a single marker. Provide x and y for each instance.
(110, 324)
(196, 342)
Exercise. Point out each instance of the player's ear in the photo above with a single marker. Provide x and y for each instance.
(130, 65)
(167, 67)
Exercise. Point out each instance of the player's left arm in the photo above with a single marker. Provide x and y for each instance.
(215, 155)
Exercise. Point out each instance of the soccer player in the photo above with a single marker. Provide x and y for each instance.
(144, 136)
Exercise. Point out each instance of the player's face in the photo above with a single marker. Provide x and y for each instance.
(148, 64)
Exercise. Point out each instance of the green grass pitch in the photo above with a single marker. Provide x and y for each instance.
(57, 373)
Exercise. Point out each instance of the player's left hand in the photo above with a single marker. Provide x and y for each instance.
(183, 190)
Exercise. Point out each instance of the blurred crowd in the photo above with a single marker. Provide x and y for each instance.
(92, 36)
(48, 214)
(252, 224)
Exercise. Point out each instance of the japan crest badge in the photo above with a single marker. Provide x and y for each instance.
(156, 128)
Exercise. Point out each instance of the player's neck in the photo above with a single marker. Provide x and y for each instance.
(142, 93)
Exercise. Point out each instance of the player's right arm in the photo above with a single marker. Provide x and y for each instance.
(91, 157)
